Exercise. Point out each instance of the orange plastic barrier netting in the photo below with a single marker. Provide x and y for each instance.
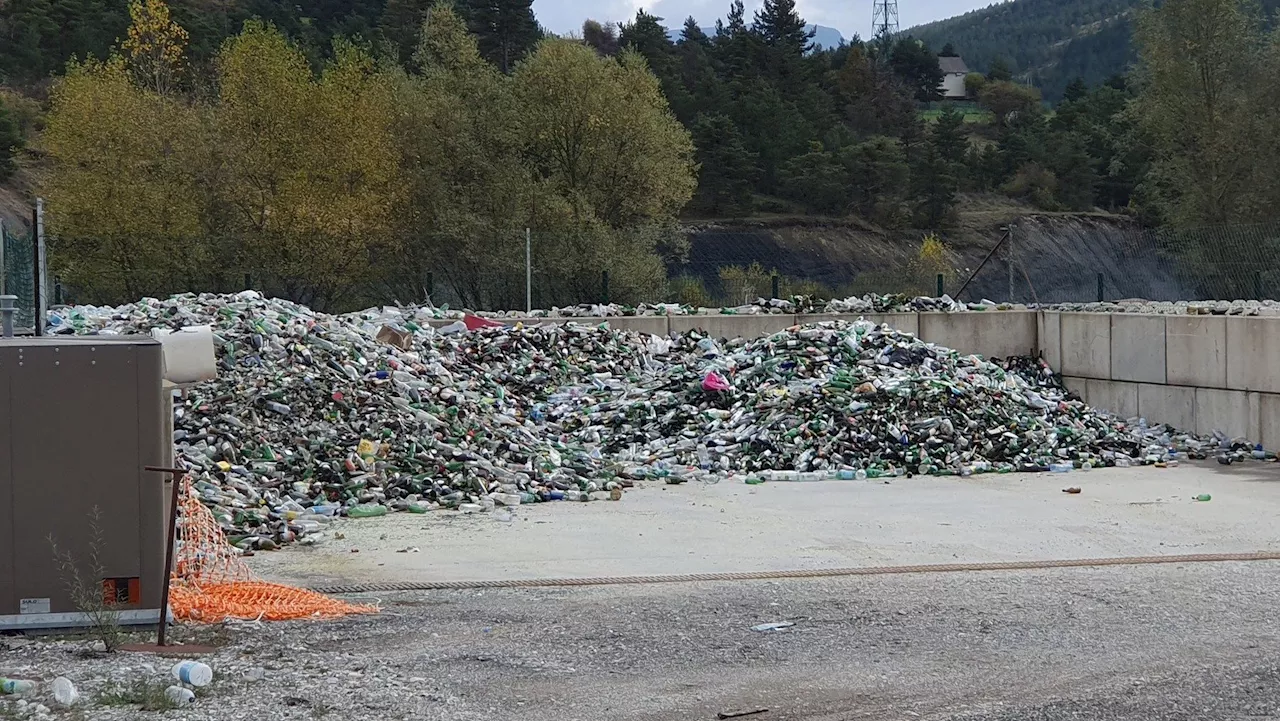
(211, 583)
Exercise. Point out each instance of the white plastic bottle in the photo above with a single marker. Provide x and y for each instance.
(193, 673)
(179, 696)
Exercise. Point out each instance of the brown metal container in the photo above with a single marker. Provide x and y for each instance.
(79, 419)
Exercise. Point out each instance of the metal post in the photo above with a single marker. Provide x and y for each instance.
(775, 285)
(1099, 287)
(528, 273)
(1009, 258)
(248, 281)
(974, 274)
(604, 287)
(6, 314)
(35, 267)
(1257, 284)
(42, 269)
(4, 276)
(175, 478)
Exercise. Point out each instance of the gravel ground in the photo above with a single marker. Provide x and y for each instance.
(1152, 642)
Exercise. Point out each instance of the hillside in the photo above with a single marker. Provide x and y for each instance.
(1046, 42)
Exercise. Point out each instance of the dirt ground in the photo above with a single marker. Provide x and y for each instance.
(1175, 641)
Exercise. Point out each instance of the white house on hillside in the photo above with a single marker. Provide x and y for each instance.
(953, 72)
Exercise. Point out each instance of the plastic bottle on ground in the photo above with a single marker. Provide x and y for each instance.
(16, 686)
(179, 696)
(367, 510)
(194, 673)
(64, 692)
(1060, 467)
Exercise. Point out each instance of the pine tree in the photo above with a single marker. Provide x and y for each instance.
(728, 169)
(401, 24)
(646, 36)
(933, 189)
(948, 51)
(691, 32)
(700, 87)
(602, 37)
(1070, 161)
(1076, 90)
(918, 68)
(780, 27)
(999, 71)
(948, 137)
(506, 30)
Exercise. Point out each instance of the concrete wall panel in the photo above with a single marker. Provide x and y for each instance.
(1172, 405)
(1079, 386)
(1116, 397)
(1086, 345)
(994, 334)
(733, 326)
(1137, 348)
(1235, 413)
(1049, 334)
(1253, 351)
(1268, 421)
(1196, 350)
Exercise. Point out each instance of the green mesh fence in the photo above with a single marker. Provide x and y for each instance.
(19, 274)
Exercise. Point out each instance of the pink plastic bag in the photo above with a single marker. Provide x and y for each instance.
(714, 382)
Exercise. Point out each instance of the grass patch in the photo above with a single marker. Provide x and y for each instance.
(144, 693)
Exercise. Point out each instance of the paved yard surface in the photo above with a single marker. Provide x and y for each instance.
(729, 526)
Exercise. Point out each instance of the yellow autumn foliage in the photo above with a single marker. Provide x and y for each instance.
(361, 181)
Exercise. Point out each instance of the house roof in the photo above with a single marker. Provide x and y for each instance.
(953, 65)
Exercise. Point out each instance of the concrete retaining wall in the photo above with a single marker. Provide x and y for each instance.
(996, 334)
(1201, 373)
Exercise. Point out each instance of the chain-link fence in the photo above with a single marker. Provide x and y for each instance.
(1044, 259)
(1049, 260)
(18, 276)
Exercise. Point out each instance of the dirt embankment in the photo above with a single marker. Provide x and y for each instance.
(1044, 257)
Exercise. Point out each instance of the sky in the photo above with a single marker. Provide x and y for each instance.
(565, 16)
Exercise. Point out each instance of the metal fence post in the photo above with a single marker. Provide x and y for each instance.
(1257, 284)
(6, 314)
(35, 268)
(1099, 287)
(528, 272)
(940, 288)
(248, 281)
(604, 287)
(775, 285)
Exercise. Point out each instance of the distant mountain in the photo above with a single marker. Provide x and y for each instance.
(823, 36)
(1048, 43)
